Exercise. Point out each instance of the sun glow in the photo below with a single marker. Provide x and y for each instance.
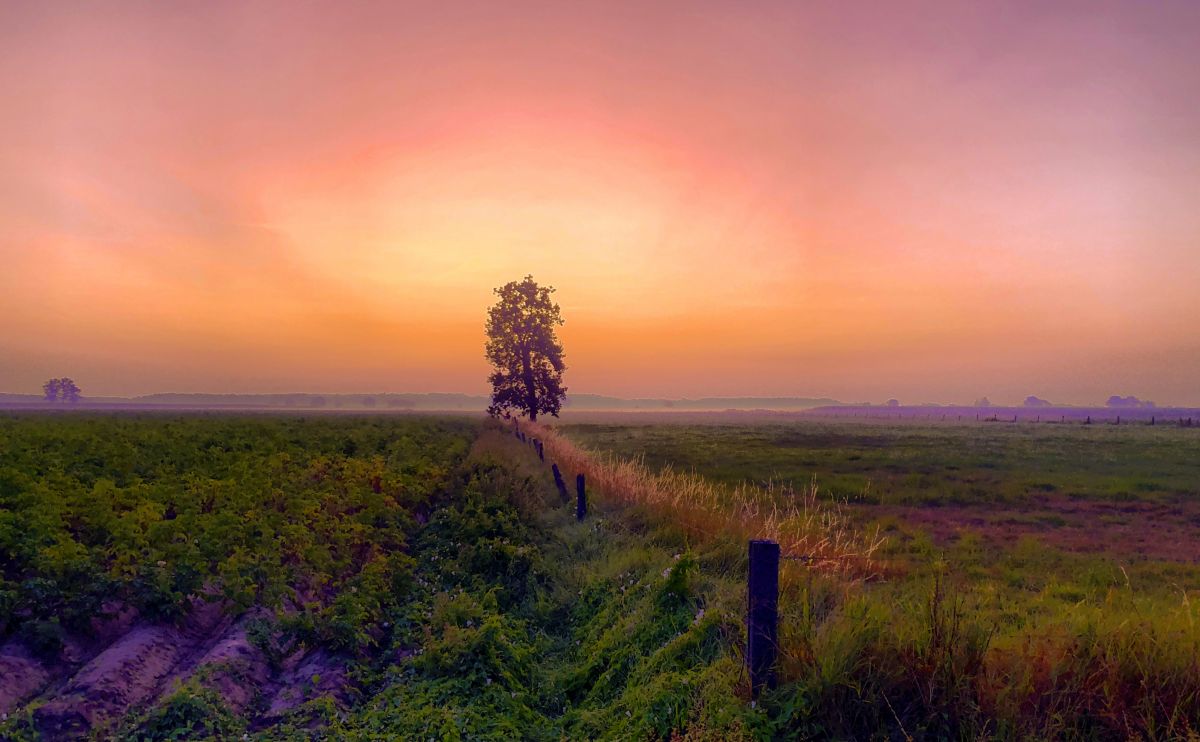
(231, 198)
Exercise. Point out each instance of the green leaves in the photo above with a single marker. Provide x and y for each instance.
(524, 350)
(154, 511)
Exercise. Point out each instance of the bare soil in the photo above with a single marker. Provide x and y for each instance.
(127, 664)
(1168, 531)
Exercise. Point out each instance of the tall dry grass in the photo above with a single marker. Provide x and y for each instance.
(806, 526)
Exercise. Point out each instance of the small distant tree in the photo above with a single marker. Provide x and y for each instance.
(893, 403)
(524, 350)
(64, 389)
(68, 390)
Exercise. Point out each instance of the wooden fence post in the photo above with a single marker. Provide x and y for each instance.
(541, 452)
(762, 614)
(558, 482)
(580, 498)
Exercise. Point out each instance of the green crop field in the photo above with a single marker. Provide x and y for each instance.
(401, 577)
(206, 576)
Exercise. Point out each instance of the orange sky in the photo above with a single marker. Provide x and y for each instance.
(935, 203)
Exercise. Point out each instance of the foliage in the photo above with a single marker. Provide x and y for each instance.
(524, 624)
(97, 512)
(191, 712)
(524, 350)
(466, 622)
(64, 389)
(465, 602)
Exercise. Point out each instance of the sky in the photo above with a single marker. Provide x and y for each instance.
(923, 200)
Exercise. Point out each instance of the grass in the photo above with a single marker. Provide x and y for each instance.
(920, 464)
(497, 615)
(966, 638)
(525, 624)
(803, 523)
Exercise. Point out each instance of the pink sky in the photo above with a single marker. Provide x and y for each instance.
(934, 201)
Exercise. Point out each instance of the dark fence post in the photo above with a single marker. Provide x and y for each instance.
(580, 498)
(558, 482)
(541, 451)
(762, 614)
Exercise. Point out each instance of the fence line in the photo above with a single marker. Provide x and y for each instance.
(764, 556)
(798, 520)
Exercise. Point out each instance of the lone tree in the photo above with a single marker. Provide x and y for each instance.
(524, 350)
(64, 389)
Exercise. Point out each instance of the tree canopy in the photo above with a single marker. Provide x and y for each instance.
(64, 389)
(524, 350)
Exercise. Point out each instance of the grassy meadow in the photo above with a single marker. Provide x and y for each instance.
(1032, 581)
(911, 463)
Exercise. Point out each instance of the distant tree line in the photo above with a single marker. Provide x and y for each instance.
(61, 390)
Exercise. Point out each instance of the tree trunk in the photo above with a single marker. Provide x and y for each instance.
(530, 389)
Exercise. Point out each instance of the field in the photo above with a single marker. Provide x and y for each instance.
(1049, 569)
(1132, 491)
(169, 576)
